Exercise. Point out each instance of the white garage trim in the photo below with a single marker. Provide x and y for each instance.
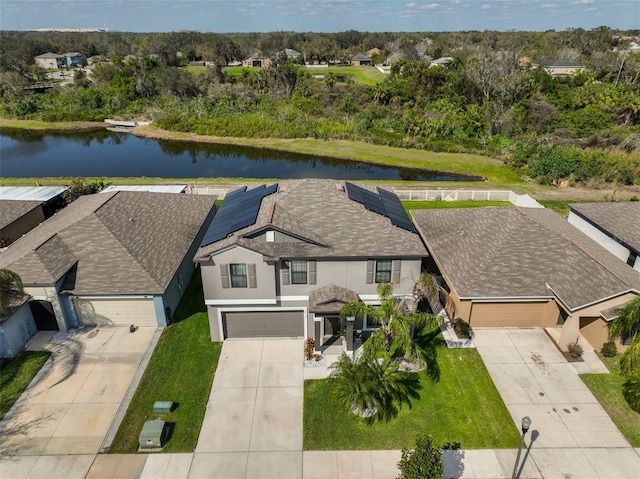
(116, 311)
(220, 311)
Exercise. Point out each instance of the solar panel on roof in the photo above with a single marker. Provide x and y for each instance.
(384, 203)
(238, 210)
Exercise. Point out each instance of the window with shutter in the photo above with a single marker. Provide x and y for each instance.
(395, 270)
(370, 269)
(312, 272)
(252, 275)
(224, 273)
(298, 272)
(285, 273)
(383, 271)
(238, 273)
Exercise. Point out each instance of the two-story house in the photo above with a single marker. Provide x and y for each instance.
(281, 260)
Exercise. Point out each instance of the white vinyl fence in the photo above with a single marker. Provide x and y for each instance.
(419, 195)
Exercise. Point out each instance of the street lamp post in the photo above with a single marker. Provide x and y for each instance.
(526, 424)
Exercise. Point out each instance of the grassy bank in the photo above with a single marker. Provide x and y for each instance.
(15, 378)
(181, 370)
(54, 126)
(458, 163)
(607, 388)
(448, 411)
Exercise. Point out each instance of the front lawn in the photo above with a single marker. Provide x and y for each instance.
(607, 388)
(181, 370)
(17, 375)
(464, 406)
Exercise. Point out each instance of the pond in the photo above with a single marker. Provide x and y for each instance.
(103, 153)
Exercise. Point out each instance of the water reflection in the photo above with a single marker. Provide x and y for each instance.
(28, 153)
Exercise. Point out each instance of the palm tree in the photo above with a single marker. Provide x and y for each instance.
(398, 322)
(627, 325)
(10, 283)
(372, 388)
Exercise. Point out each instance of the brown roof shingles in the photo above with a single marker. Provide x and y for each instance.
(123, 242)
(12, 210)
(516, 252)
(318, 211)
(620, 220)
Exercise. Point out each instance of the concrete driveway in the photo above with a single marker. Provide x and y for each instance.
(253, 422)
(535, 380)
(70, 406)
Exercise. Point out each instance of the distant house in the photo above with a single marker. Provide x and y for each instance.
(290, 53)
(616, 226)
(114, 259)
(394, 58)
(75, 59)
(256, 60)
(373, 51)
(360, 60)
(526, 267)
(561, 68)
(51, 61)
(22, 208)
(442, 61)
(281, 260)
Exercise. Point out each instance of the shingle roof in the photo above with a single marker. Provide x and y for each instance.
(11, 210)
(122, 242)
(332, 225)
(618, 220)
(561, 63)
(360, 57)
(330, 299)
(516, 252)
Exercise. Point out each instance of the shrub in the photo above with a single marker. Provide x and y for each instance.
(609, 349)
(309, 346)
(575, 350)
(424, 461)
(631, 392)
(462, 329)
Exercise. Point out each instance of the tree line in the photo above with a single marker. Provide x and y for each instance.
(578, 129)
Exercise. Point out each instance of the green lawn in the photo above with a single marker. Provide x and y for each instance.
(364, 75)
(607, 388)
(15, 378)
(464, 406)
(436, 205)
(181, 370)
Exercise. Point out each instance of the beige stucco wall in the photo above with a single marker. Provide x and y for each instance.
(597, 331)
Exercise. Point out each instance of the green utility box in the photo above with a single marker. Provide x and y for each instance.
(162, 407)
(153, 435)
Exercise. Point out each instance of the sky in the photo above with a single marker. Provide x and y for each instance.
(226, 16)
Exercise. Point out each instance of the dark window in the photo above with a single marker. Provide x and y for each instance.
(298, 272)
(238, 275)
(631, 260)
(383, 271)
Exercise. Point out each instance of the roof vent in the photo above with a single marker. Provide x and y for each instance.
(339, 187)
(282, 188)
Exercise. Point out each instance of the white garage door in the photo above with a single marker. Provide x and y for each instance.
(263, 324)
(118, 312)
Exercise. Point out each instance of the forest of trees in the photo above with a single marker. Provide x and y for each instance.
(578, 129)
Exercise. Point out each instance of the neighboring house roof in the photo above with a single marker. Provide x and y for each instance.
(31, 193)
(329, 223)
(115, 243)
(620, 220)
(517, 252)
(149, 188)
(561, 63)
(330, 299)
(291, 53)
(441, 61)
(395, 57)
(12, 210)
(14, 300)
(74, 54)
(256, 56)
(50, 55)
(360, 58)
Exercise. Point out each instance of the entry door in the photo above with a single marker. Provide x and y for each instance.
(43, 315)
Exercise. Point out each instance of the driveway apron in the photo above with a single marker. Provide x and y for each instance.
(535, 380)
(253, 422)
